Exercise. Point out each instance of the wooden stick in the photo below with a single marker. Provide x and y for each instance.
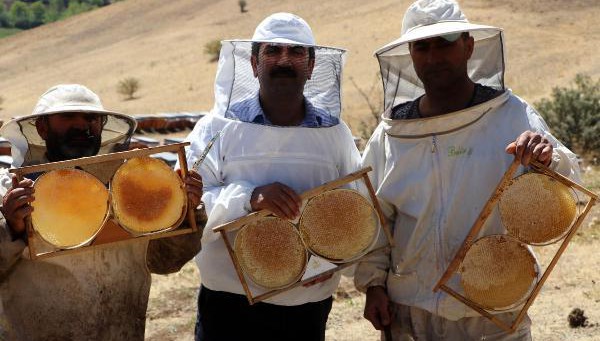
(554, 260)
(59, 252)
(191, 215)
(238, 268)
(97, 159)
(338, 267)
(475, 307)
(541, 168)
(382, 220)
(483, 215)
(236, 224)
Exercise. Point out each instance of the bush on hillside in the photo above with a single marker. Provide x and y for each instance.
(20, 15)
(573, 114)
(128, 87)
(373, 99)
(242, 4)
(212, 49)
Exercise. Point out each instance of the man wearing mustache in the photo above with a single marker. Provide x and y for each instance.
(277, 108)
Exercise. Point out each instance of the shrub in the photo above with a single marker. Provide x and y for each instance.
(373, 99)
(242, 4)
(212, 49)
(1, 101)
(128, 87)
(573, 114)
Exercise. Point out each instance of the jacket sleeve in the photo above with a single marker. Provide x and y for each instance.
(169, 255)
(222, 202)
(564, 161)
(11, 248)
(373, 270)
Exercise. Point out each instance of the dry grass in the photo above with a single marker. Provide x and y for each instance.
(161, 43)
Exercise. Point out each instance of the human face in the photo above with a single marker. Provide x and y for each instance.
(282, 69)
(440, 63)
(71, 135)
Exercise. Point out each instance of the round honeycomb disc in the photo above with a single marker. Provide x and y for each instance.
(338, 225)
(271, 253)
(70, 207)
(147, 196)
(498, 272)
(537, 209)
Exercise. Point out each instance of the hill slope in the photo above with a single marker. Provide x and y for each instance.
(161, 43)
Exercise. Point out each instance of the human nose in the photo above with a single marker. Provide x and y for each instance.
(284, 57)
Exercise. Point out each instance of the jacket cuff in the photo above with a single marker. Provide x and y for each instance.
(367, 276)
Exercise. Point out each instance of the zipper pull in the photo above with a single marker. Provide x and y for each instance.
(434, 144)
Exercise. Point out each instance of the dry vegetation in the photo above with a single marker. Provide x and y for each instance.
(161, 42)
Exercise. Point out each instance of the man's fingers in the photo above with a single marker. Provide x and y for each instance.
(521, 146)
(22, 212)
(372, 316)
(546, 155)
(284, 207)
(292, 195)
(15, 181)
(511, 148)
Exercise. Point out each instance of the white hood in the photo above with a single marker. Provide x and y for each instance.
(431, 18)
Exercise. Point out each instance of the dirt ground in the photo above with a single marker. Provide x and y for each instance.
(574, 283)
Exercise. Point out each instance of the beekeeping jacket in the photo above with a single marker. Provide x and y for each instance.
(100, 293)
(248, 155)
(434, 175)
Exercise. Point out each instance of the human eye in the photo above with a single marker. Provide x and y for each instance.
(298, 50)
(272, 49)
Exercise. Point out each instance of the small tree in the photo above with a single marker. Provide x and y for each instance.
(4, 22)
(20, 15)
(242, 4)
(372, 97)
(38, 14)
(213, 48)
(573, 114)
(128, 87)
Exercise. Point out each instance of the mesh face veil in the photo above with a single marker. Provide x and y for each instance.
(28, 147)
(432, 18)
(285, 62)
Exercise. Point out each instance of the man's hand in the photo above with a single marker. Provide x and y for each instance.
(193, 187)
(531, 146)
(15, 204)
(277, 198)
(377, 308)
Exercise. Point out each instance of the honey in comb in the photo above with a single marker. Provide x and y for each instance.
(338, 225)
(537, 209)
(70, 207)
(498, 272)
(147, 196)
(270, 252)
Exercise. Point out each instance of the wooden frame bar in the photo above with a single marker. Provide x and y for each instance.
(238, 223)
(484, 215)
(120, 235)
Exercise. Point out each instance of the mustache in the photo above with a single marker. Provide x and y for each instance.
(79, 134)
(283, 71)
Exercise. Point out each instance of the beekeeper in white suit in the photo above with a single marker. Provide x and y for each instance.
(437, 156)
(277, 108)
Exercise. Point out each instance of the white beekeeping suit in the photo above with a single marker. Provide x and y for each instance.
(250, 154)
(433, 175)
